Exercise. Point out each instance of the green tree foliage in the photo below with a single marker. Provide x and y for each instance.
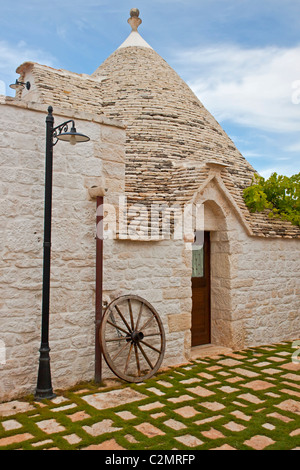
(280, 194)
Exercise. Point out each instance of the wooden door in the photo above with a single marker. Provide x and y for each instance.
(201, 292)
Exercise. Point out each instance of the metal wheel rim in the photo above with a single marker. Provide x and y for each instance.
(131, 340)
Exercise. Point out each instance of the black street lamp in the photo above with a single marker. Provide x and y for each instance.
(53, 135)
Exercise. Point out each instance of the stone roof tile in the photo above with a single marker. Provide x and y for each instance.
(62, 88)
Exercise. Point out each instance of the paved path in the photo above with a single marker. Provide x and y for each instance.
(244, 400)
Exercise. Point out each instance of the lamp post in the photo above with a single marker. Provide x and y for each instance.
(53, 135)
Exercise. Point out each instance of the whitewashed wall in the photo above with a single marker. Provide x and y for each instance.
(22, 152)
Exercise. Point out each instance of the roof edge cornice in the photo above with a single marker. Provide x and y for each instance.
(61, 111)
(215, 177)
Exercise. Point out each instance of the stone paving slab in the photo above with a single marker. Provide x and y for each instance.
(106, 400)
(14, 407)
(245, 400)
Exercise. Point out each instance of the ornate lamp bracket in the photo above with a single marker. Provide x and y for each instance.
(61, 129)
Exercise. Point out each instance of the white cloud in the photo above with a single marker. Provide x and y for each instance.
(251, 154)
(287, 170)
(11, 56)
(61, 32)
(250, 87)
(294, 147)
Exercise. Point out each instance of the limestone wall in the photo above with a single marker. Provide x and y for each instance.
(22, 149)
(266, 291)
(160, 272)
(255, 281)
(157, 271)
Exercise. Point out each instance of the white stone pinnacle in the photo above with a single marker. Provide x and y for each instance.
(135, 39)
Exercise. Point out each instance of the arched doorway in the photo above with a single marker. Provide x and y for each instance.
(211, 293)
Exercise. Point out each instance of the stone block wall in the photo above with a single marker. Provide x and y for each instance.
(255, 281)
(266, 291)
(72, 305)
(159, 272)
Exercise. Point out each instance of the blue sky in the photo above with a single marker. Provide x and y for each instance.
(241, 58)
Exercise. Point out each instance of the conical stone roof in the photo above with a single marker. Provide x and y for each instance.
(171, 138)
(170, 134)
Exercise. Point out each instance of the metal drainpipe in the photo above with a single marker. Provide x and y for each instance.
(99, 288)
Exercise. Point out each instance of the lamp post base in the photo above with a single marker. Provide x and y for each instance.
(44, 395)
(44, 389)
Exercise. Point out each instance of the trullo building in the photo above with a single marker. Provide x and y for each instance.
(154, 153)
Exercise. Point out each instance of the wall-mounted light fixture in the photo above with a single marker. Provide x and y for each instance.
(19, 84)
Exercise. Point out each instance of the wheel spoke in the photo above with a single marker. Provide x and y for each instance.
(151, 347)
(122, 338)
(145, 356)
(147, 323)
(119, 352)
(137, 360)
(128, 358)
(117, 327)
(131, 315)
(152, 334)
(112, 317)
(139, 317)
(122, 316)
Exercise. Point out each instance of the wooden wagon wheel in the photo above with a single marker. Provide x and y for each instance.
(132, 338)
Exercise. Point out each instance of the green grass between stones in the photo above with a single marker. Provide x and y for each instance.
(258, 412)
